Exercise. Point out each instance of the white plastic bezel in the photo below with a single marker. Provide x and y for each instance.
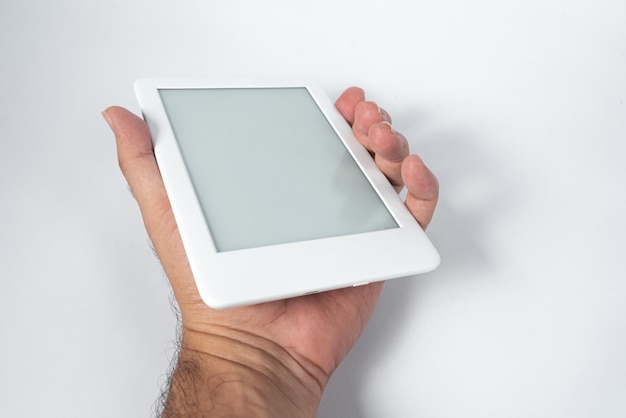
(248, 276)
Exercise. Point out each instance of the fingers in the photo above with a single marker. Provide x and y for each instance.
(347, 102)
(366, 115)
(422, 189)
(372, 127)
(390, 148)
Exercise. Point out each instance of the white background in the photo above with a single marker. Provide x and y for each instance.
(517, 106)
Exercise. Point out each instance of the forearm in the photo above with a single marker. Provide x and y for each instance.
(219, 376)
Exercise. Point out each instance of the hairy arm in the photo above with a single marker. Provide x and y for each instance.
(235, 378)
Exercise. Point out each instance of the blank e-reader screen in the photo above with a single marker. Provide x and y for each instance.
(268, 168)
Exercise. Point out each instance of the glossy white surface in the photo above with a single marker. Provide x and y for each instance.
(518, 107)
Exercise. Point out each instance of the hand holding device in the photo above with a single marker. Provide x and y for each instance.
(282, 353)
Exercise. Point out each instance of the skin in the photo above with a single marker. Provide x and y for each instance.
(270, 359)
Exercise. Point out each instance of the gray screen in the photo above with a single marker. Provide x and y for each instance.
(268, 168)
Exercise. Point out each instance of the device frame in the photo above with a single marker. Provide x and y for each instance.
(231, 278)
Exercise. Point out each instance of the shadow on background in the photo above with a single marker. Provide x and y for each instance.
(475, 192)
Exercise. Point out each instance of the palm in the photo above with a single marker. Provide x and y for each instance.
(318, 328)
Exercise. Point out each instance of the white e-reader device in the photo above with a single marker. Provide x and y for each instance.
(273, 195)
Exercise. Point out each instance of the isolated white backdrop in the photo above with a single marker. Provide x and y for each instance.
(518, 107)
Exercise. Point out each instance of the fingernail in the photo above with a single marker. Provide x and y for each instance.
(107, 118)
(390, 126)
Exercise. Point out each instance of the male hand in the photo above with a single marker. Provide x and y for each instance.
(275, 358)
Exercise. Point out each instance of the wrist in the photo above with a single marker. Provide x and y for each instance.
(233, 373)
